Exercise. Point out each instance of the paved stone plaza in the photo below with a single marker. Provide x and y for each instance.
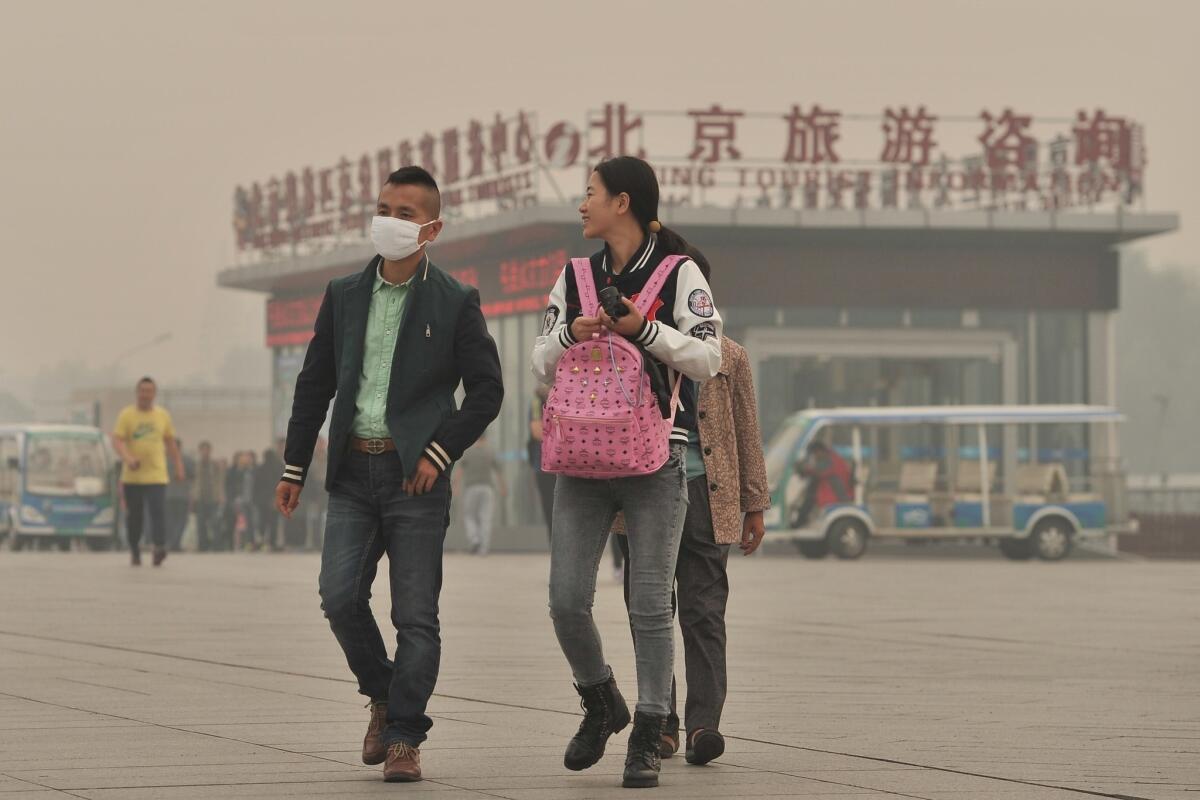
(895, 676)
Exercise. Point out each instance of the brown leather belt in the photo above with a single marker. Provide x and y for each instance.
(372, 447)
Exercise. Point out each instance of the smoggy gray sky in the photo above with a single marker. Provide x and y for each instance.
(126, 125)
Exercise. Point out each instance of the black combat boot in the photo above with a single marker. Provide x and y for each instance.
(642, 760)
(605, 713)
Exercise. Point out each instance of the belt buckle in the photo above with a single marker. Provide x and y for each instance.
(376, 447)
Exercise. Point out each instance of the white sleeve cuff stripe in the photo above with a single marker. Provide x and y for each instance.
(435, 458)
(296, 470)
(441, 451)
(650, 335)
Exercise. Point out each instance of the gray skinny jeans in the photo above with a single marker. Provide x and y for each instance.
(584, 508)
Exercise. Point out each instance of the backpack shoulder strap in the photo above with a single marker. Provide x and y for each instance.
(645, 302)
(653, 286)
(585, 284)
(679, 379)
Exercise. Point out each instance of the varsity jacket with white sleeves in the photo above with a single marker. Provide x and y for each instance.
(682, 331)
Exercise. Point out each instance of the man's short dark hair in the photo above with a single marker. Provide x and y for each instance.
(147, 379)
(418, 176)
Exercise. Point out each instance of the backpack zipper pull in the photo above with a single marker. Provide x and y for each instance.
(428, 332)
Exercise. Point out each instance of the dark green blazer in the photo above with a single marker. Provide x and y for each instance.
(443, 341)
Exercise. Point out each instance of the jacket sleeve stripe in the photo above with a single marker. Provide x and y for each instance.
(441, 451)
(438, 461)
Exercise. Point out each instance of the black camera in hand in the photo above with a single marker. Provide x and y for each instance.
(610, 299)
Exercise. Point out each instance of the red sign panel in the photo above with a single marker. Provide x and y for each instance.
(996, 160)
(492, 164)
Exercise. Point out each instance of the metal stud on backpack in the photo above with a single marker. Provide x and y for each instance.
(602, 418)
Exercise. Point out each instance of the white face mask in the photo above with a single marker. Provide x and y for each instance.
(394, 238)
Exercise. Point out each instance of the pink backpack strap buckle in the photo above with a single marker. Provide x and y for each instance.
(589, 301)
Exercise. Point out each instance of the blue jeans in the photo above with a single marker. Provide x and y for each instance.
(584, 508)
(370, 514)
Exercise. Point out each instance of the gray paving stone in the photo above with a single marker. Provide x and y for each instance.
(216, 677)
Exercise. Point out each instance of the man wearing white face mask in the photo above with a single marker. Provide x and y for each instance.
(392, 343)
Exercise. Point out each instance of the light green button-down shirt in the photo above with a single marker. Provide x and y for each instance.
(379, 347)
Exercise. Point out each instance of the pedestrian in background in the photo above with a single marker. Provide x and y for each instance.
(265, 479)
(179, 495)
(208, 498)
(829, 480)
(243, 511)
(229, 512)
(481, 477)
(144, 437)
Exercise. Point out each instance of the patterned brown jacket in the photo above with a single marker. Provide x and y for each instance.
(731, 443)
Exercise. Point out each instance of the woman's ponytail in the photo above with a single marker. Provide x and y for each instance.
(671, 241)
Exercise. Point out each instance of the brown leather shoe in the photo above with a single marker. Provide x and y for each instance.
(160, 555)
(403, 764)
(668, 744)
(374, 750)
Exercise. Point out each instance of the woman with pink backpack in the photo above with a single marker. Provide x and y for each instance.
(626, 335)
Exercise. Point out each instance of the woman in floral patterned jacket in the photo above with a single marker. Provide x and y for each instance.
(727, 495)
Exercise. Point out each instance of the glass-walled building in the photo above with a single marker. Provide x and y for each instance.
(836, 308)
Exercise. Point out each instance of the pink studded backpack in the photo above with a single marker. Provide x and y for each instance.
(602, 418)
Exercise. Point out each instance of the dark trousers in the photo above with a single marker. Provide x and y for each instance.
(229, 517)
(369, 514)
(140, 498)
(702, 586)
(268, 524)
(208, 525)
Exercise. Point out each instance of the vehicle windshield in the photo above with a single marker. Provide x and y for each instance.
(65, 464)
(780, 451)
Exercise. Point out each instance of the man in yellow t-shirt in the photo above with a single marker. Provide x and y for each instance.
(143, 437)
